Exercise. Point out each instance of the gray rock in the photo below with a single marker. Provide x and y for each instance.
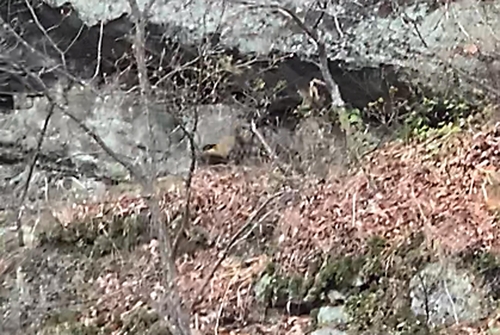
(335, 315)
(328, 331)
(449, 295)
(120, 122)
(352, 33)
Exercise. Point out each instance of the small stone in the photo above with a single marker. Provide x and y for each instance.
(328, 331)
(332, 315)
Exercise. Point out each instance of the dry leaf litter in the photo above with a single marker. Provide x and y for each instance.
(445, 186)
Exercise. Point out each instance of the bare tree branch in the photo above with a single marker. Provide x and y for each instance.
(189, 179)
(42, 29)
(56, 68)
(41, 137)
(144, 84)
(179, 322)
(251, 219)
(99, 50)
(311, 33)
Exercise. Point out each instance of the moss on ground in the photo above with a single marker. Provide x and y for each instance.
(375, 284)
(97, 236)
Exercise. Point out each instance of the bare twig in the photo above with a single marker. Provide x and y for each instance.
(134, 172)
(179, 321)
(177, 70)
(41, 137)
(473, 79)
(256, 132)
(453, 307)
(45, 33)
(413, 22)
(251, 219)
(189, 180)
(426, 298)
(267, 147)
(223, 302)
(311, 33)
(99, 50)
(56, 68)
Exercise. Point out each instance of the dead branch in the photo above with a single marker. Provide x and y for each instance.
(311, 33)
(44, 32)
(189, 180)
(267, 147)
(178, 319)
(251, 219)
(40, 54)
(41, 137)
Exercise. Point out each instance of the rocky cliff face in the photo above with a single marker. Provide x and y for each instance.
(417, 35)
(260, 66)
(370, 44)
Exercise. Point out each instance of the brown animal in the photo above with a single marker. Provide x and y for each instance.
(235, 147)
(219, 153)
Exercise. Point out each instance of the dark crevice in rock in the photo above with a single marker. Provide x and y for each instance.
(358, 87)
(57, 163)
(6, 102)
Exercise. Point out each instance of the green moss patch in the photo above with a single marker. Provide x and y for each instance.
(97, 236)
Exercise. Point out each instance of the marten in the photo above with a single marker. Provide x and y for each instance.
(219, 153)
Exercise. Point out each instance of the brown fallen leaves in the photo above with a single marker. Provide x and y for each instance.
(437, 186)
(446, 186)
